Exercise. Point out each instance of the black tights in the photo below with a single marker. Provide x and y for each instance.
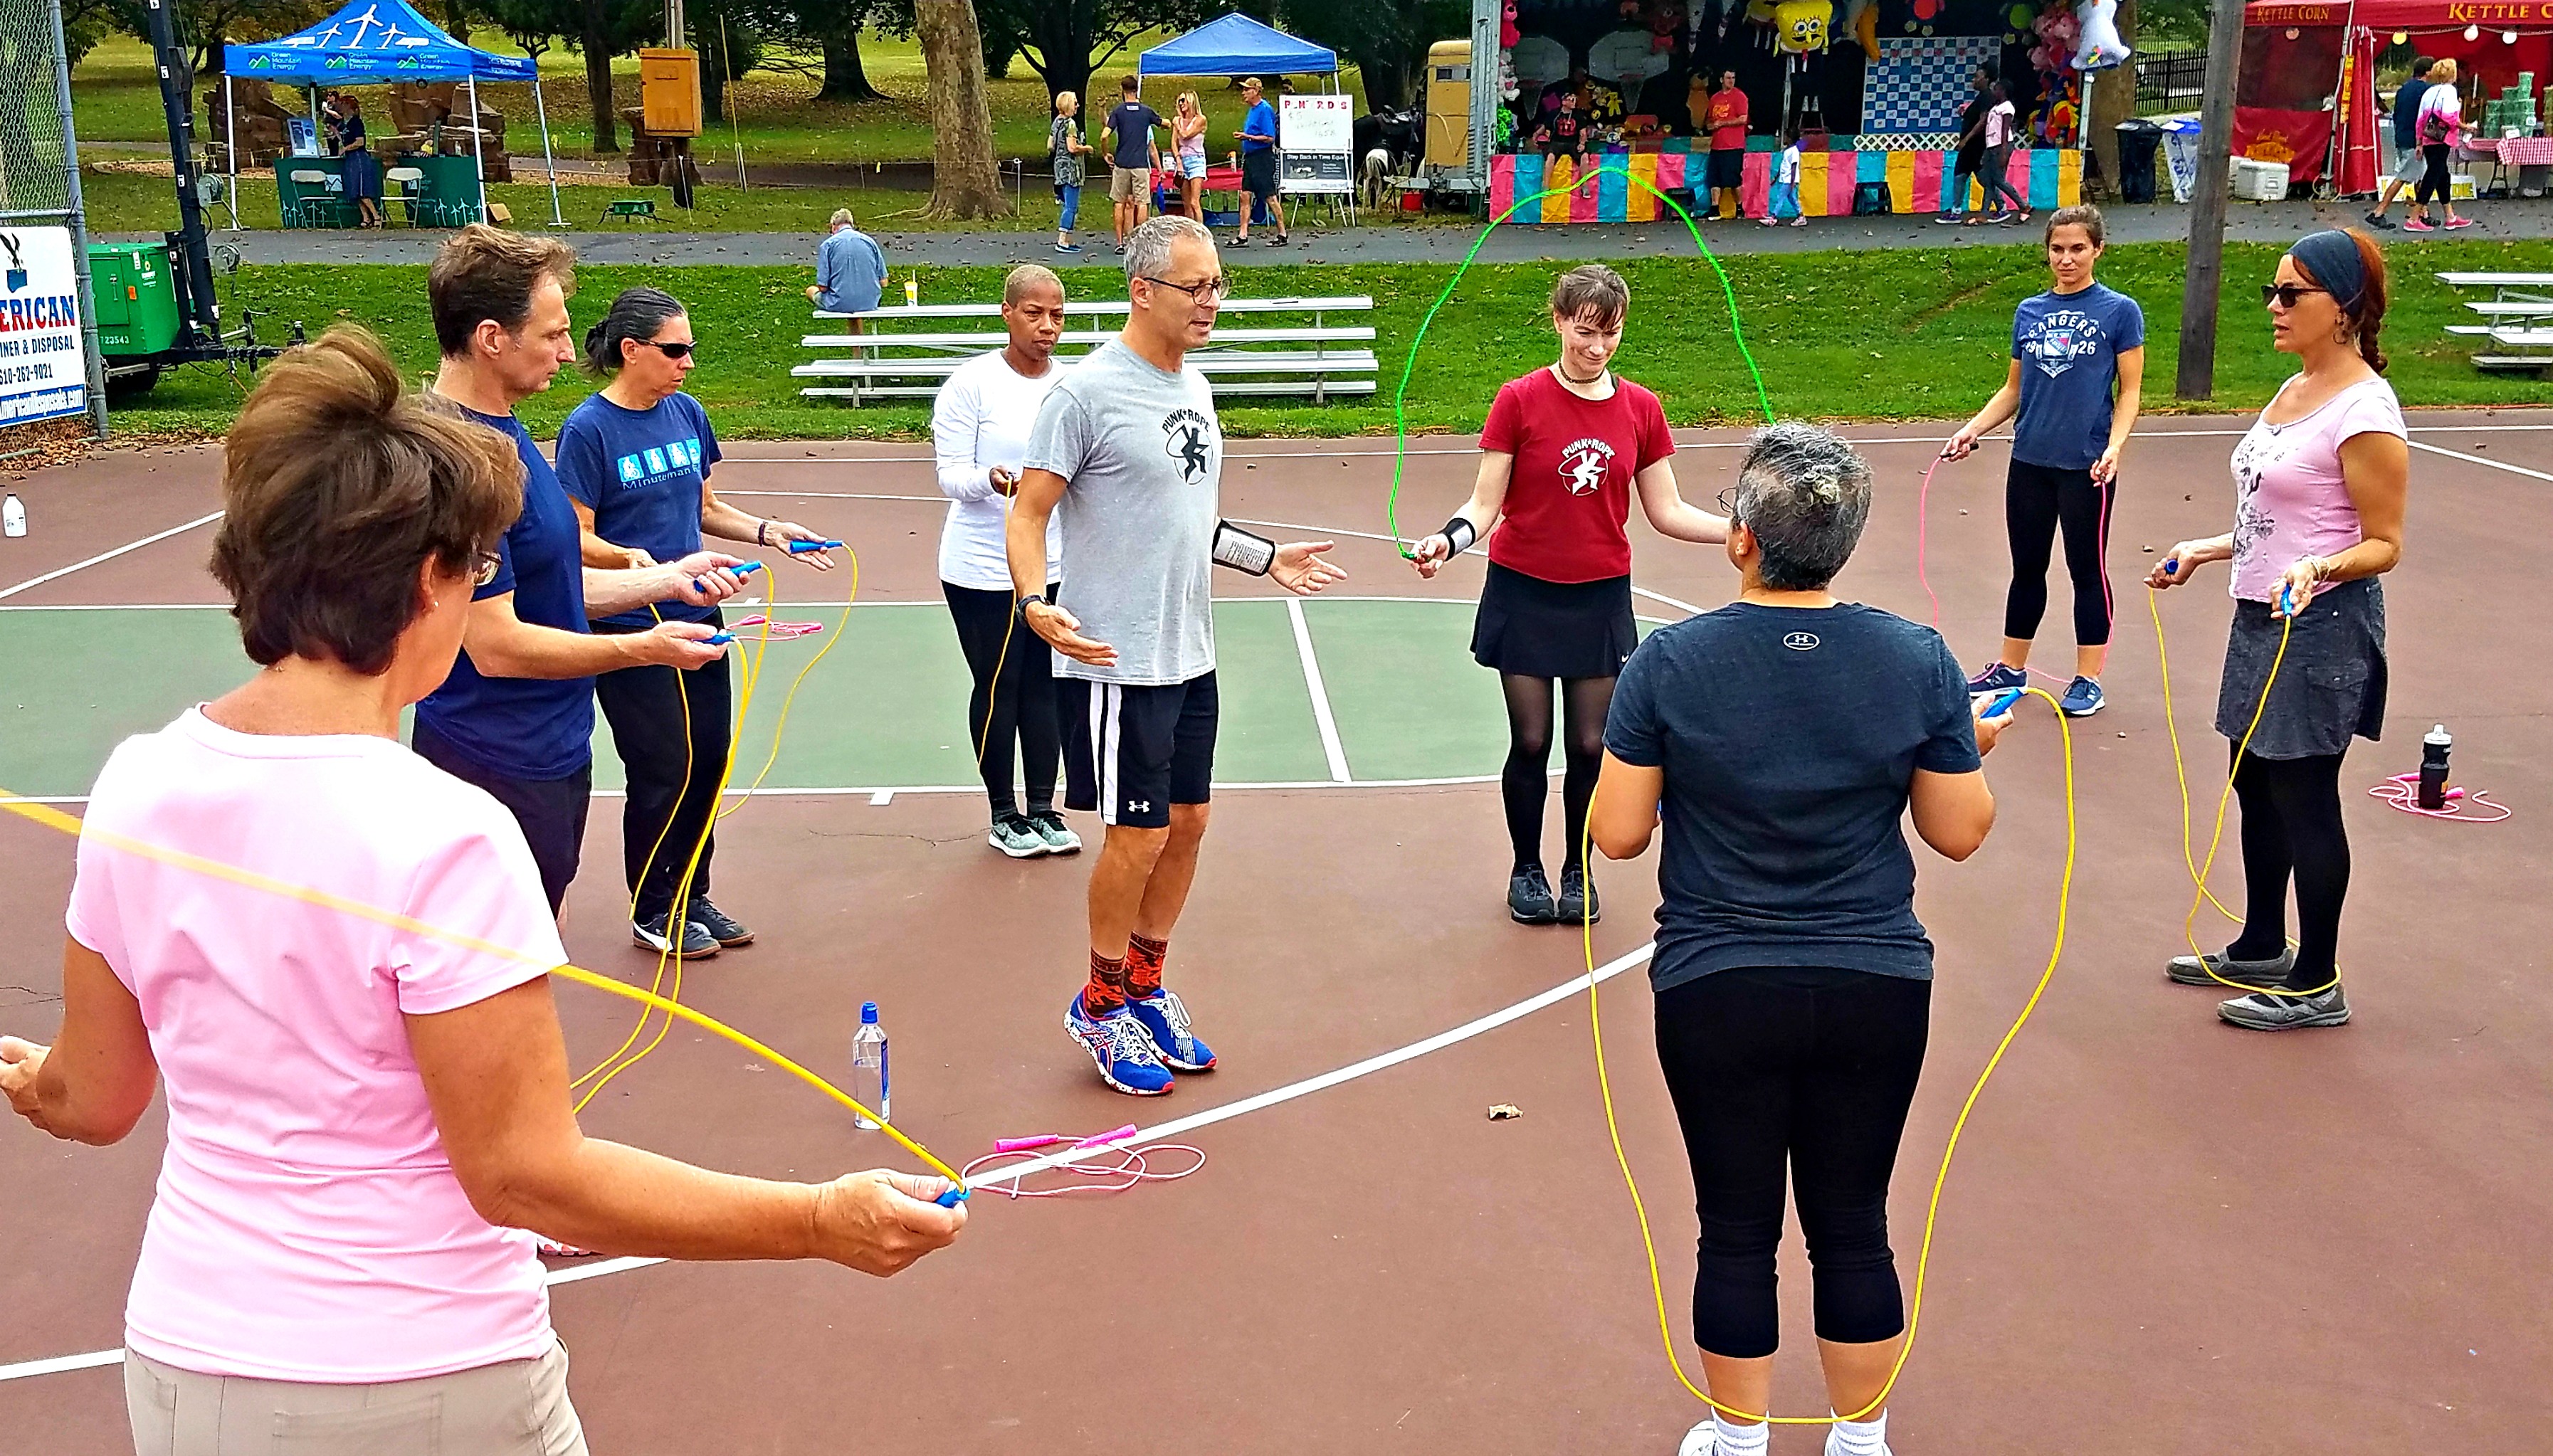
(1019, 708)
(2292, 829)
(1527, 776)
(2036, 499)
(2435, 179)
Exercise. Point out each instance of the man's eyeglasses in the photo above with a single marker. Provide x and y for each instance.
(483, 566)
(671, 350)
(1729, 501)
(2285, 296)
(1211, 291)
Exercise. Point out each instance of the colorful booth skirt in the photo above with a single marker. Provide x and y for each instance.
(1600, 188)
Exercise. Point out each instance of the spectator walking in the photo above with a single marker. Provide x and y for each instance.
(1135, 154)
(1969, 156)
(1783, 204)
(850, 269)
(1064, 149)
(2408, 164)
(2441, 128)
(1258, 137)
(2003, 128)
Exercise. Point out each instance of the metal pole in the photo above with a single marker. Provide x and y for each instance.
(92, 357)
(558, 219)
(2205, 276)
(478, 146)
(229, 143)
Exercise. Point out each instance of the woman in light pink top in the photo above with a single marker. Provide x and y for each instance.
(2320, 485)
(363, 1117)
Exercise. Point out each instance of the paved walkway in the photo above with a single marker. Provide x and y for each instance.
(2275, 222)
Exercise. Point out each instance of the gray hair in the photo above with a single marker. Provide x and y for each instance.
(1147, 248)
(1016, 284)
(841, 218)
(1806, 497)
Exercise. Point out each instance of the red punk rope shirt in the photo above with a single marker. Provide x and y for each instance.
(1571, 490)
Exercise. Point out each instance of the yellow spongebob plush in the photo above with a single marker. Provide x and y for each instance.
(1800, 26)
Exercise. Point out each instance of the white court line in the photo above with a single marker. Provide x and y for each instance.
(59, 572)
(2478, 459)
(1176, 1127)
(1685, 607)
(1321, 717)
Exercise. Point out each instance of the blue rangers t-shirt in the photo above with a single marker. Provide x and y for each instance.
(2068, 345)
(642, 473)
(524, 727)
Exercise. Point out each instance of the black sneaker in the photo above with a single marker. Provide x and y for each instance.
(1529, 897)
(2379, 221)
(722, 929)
(1578, 902)
(697, 944)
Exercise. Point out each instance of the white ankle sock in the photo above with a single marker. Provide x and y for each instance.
(1859, 1437)
(1740, 1440)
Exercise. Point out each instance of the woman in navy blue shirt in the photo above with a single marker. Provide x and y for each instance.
(635, 457)
(1783, 738)
(2072, 346)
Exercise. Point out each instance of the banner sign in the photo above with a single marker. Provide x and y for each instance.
(1315, 135)
(43, 374)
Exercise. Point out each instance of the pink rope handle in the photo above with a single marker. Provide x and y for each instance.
(781, 631)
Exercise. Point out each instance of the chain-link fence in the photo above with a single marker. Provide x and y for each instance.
(40, 160)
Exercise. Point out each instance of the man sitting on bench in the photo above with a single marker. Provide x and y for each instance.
(850, 270)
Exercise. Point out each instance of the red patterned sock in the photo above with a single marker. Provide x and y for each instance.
(1106, 994)
(1144, 956)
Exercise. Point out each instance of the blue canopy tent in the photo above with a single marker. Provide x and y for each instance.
(376, 42)
(1237, 45)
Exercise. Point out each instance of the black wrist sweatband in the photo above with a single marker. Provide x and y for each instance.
(1459, 537)
(1242, 551)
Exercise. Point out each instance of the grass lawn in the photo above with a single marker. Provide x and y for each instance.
(1909, 334)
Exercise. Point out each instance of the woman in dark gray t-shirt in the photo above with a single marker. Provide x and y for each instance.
(1782, 739)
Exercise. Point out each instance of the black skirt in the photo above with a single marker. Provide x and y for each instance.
(1556, 629)
(2329, 688)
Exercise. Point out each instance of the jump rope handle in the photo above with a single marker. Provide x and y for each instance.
(742, 572)
(2003, 703)
(801, 548)
(951, 1198)
(718, 639)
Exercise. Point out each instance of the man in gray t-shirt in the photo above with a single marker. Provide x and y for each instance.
(1127, 444)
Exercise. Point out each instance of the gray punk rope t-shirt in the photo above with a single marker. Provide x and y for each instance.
(1142, 459)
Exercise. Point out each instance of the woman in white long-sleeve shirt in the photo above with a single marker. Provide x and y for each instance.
(979, 431)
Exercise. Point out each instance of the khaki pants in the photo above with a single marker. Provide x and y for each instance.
(515, 1407)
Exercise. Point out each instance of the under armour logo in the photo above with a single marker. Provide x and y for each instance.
(1139, 806)
(1801, 642)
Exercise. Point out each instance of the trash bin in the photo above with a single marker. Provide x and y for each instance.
(2139, 140)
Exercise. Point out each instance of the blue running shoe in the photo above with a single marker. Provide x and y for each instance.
(1119, 1044)
(1998, 678)
(1164, 1019)
(2082, 699)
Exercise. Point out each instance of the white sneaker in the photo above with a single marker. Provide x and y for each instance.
(1699, 1440)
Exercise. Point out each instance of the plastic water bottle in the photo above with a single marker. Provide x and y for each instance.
(913, 291)
(870, 1085)
(13, 515)
(2433, 767)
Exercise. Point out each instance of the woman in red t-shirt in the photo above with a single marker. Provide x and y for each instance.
(1564, 448)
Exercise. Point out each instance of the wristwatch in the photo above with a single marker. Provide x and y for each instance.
(1022, 605)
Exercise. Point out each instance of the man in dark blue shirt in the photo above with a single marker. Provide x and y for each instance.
(2407, 161)
(1134, 155)
(516, 715)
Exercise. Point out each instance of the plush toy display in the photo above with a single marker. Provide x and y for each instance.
(1861, 22)
(1800, 26)
(1507, 31)
(2098, 46)
(2057, 30)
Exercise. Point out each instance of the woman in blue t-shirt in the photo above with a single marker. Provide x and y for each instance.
(1783, 739)
(635, 457)
(2072, 348)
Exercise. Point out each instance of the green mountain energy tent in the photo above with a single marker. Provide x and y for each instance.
(376, 42)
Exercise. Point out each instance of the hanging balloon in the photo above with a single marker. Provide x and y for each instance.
(2473, 33)
(1927, 29)
(2019, 16)
(1927, 9)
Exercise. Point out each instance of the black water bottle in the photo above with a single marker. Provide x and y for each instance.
(2433, 767)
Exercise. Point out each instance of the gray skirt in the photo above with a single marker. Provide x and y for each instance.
(2330, 688)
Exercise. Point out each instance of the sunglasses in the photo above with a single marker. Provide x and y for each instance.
(483, 566)
(670, 351)
(2285, 296)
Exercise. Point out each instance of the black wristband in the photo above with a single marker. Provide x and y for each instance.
(1025, 602)
(1242, 551)
(1459, 536)
(763, 532)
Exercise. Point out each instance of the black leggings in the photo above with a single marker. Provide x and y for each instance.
(1526, 779)
(1813, 1068)
(2036, 499)
(2435, 181)
(2292, 829)
(674, 770)
(1020, 707)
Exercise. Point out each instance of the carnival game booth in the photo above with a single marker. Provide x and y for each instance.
(385, 43)
(1875, 87)
(2305, 98)
(1314, 133)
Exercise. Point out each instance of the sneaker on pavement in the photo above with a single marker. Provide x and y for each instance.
(1997, 677)
(1578, 901)
(697, 944)
(2277, 1011)
(2378, 221)
(2451, 224)
(1944, 219)
(1058, 837)
(722, 927)
(1067, 248)
(1702, 1440)
(1243, 241)
(1529, 899)
(2192, 971)
(2082, 699)
(1015, 837)
(1127, 1061)
(2419, 225)
(1164, 1019)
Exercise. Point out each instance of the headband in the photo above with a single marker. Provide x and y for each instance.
(2332, 256)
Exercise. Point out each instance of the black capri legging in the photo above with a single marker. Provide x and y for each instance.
(1018, 709)
(1811, 1067)
(2436, 183)
(2037, 500)
(671, 727)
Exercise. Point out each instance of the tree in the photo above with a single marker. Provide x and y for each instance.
(964, 184)
(600, 29)
(1386, 40)
(2113, 98)
(1065, 42)
(206, 26)
(845, 79)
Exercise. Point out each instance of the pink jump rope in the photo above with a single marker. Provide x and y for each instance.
(1098, 1156)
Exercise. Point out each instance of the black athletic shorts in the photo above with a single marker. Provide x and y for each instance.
(550, 810)
(1259, 180)
(1130, 752)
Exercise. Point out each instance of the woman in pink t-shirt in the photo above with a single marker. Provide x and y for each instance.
(2321, 483)
(364, 1116)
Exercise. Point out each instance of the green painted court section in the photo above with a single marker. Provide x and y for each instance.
(887, 709)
